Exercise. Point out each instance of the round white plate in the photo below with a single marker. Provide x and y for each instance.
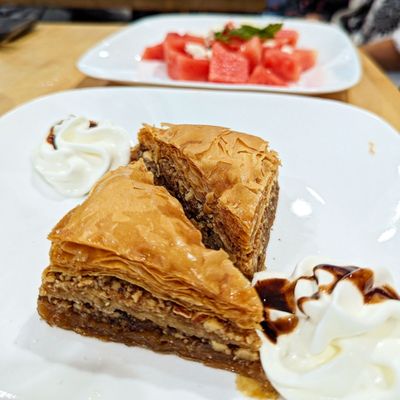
(117, 58)
(340, 198)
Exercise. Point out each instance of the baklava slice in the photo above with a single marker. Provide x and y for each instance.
(226, 181)
(128, 266)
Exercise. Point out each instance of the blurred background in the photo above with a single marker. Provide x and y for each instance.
(373, 24)
(127, 10)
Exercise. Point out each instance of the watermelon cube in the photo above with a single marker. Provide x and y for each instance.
(189, 69)
(180, 65)
(286, 37)
(282, 64)
(235, 43)
(264, 76)
(154, 52)
(173, 46)
(306, 58)
(252, 49)
(228, 66)
(174, 41)
(194, 39)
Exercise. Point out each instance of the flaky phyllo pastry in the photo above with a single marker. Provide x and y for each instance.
(128, 266)
(226, 182)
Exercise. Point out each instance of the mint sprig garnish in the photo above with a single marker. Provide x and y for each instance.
(246, 32)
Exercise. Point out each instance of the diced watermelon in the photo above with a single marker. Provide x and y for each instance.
(190, 69)
(172, 63)
(175, 41)
(235, 60)
(173, 46)
(180, 65)
(228, 66)
(235, 43)
(183, 67)
(252, 49)
(194, 39)
(264, 76)
(154, 52)
(282, 64)
(306, 58)
(286, 36)
(229, 26)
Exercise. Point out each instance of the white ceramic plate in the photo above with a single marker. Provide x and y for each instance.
(337, 199)
(117, 58)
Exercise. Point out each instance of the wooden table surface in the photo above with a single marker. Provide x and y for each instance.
(43, 62)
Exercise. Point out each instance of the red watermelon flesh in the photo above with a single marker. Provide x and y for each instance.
(237, 61)
(194, 39)
(173, 46)
(172, 63)
(228, 66)
(187, 68)
(174, 41)
(306, 58)
(229, 26)
(264, 76)
(235, 43)
(286, 36)
(155, 52)
(252, 49)
(282, 64)
(180, 65)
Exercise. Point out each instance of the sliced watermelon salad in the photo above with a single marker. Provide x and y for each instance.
(236, 54)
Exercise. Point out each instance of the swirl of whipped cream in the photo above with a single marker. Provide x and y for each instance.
(331, 333)
(77, 152)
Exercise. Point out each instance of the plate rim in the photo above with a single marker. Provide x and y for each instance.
(94, 72)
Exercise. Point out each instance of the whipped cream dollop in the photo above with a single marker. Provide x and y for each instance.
(77, 152)
(331, 333)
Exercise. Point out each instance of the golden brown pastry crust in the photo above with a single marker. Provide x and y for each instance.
(136, 231)
(236, 167)
(226, 181)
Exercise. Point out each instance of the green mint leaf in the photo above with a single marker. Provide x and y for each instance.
(246, 32)
(221, 36)
(270, 31)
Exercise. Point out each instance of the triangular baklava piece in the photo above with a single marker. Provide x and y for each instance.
(128, 266)
(226, 181)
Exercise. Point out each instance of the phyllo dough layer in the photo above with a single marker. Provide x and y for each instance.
(128, 266)
(226, 182)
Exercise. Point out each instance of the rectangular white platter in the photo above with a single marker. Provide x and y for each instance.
(117, 58)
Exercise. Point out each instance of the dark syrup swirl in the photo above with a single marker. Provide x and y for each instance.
(51, 138)
(278, 294)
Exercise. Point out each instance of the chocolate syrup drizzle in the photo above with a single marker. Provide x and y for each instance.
(51, 138)
(278, 294)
